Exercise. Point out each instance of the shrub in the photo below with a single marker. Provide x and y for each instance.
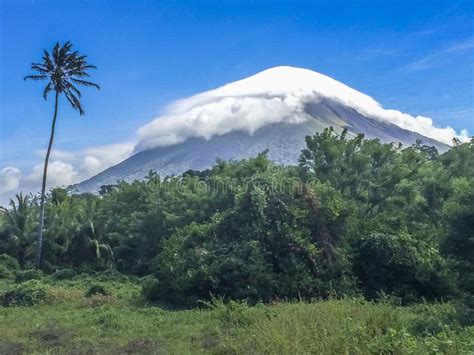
(111, 275)
(8, 266)
(231, 313)
(28, 293)
(65, 274)
(397, 265)
(5, 273)
(150, 288)
(96, 290)
(458, 241)
(434, 318)
(48, 268)
(53, 336)
(27, 275)
(9, 261)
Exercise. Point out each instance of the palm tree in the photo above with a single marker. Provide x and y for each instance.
(19, 227)
(64, 70)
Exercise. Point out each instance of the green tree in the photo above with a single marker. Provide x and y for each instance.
(402, 266)
(18, 228)
(458, 213)
(64, 70)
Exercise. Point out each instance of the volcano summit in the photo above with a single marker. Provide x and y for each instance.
(274, 109)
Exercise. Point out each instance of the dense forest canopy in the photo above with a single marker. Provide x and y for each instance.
(354, 217)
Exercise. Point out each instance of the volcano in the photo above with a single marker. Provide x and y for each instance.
(273, 110)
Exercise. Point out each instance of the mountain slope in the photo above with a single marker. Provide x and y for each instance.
(284, 140)
(276, 95)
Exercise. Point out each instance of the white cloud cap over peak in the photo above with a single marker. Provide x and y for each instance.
(274, 95)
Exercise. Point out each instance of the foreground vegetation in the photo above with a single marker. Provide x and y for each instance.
(355, 218)
(115, 319)
(363, 247)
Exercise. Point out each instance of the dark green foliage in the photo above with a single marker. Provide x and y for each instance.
(64, 274)
(355, 217)
(401, 266)
(17, 227)
(110, 275)
(52, 336)
(27, 275)
(5, 273)
(28, 293)
(58, 195)
(9, 262)
(9, 266)
(96, 290)
(459, 240)
(264, 246)
(150, 288)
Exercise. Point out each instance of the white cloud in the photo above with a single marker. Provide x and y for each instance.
(91, 164)
(217, 118)
(418, 124)
(274, 95)
(65, 168)
(57, 154)
(99, 158)
(9, 179)
(59, 174)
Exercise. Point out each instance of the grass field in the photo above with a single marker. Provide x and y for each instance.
(119, 322)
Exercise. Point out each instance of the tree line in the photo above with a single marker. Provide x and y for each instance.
(354, 217)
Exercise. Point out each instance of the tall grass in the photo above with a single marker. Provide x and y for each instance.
(120, 322)
(350, 327)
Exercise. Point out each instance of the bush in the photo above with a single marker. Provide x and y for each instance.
(48, 268)
(28, 293)
(231, 313)
(96, 290)
(9, 261)
(397, 265)
(111, 275)
(65, 274)
(150, 288)
(27, 275)
(434, 318)
(8, 266)
(5, 273)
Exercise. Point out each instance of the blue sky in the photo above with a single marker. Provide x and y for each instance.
(414, 56)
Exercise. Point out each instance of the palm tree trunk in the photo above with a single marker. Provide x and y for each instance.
(39, 244)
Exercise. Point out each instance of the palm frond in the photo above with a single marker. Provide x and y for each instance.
(56, 58)
(35, 77)
(71, 57)
(64, 50)
(88, 66)
(77, 72)
(48, 61)
(40, 70)
(71, 87)
(47, 89)
(65, 69)
(74, 101)
(84, 82)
